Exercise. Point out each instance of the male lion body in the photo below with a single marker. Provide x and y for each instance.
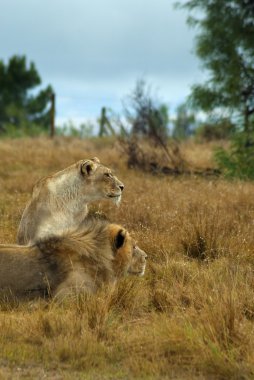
(59, 202)
(96, 253)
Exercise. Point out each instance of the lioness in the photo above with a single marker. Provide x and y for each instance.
(96, 253)
(59, 202)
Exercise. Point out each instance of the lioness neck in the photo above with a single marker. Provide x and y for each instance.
(62, 206)
(66, 191)
(67, 205)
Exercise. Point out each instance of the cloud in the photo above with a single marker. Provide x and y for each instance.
(93, 51)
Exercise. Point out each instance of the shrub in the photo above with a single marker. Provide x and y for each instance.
(238, 161)
(220, 130)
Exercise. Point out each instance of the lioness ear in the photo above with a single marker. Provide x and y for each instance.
(119, 239)
(87, 167)
(96, 159)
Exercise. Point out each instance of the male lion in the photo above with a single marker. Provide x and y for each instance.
(96, 253)
(59, 202)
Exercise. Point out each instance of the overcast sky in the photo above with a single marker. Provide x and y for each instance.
(93, 51)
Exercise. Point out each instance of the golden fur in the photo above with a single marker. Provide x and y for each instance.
(96, 253)
(59, 202)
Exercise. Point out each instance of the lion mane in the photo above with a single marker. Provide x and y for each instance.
(96, 253)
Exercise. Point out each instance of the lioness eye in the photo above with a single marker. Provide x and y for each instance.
(107, 174)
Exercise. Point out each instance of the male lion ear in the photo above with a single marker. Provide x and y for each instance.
(96, 159)
(87, 167)
(119, 239)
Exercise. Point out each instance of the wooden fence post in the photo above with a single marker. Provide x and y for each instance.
(52, 115)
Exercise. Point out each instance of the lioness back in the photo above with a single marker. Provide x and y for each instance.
(59, 202)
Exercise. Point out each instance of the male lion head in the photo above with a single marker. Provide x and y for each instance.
(100, 182)
(128, 257)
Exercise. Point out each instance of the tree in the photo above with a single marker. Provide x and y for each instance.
(19, 106)
(183, 123)
(146, 116)
(225, 46)
(149, 118)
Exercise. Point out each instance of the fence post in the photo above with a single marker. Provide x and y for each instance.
(52, 115)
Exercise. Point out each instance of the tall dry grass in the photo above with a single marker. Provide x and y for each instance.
(190, 317)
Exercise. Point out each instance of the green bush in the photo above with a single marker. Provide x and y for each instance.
(84, 130)
(238, 161)
(26, 129)
(221, 130)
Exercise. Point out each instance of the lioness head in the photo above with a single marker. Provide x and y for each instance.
(128, 257)
(100, 181)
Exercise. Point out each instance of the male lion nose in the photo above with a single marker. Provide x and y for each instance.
(121, 187)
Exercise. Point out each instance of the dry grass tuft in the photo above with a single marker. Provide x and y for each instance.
(203, 237)
(190, 317)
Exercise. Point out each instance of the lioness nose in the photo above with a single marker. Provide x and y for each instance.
(121, 187)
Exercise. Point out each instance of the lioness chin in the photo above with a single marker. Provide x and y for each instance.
(96, 253)
(59, 202)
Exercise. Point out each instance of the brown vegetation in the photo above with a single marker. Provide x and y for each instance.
(190, 317)
(156, 156)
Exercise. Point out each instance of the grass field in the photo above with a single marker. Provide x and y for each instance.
(190, 317)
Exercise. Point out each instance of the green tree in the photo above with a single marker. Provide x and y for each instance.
(20, 107)
(224, 43)
(184, 122)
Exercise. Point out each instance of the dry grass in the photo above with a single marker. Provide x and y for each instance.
(190, 317)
